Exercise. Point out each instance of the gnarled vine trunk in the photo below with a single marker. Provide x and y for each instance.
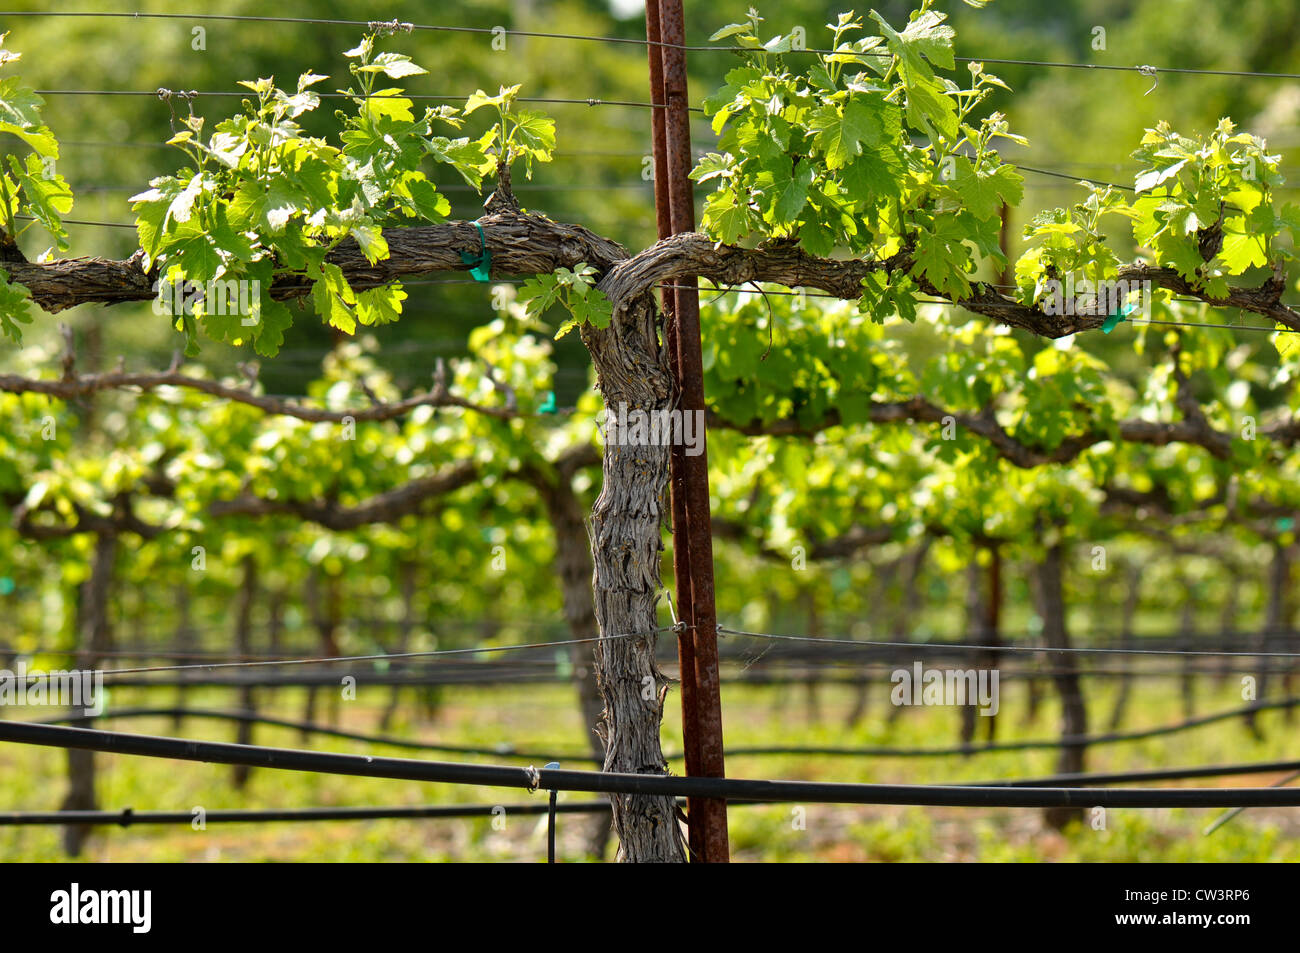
(889, 600)
(324, 605)
(1131, 601)
(627, 525)
(244, 649)
(406, 573)
(1228, 622)
(1275, 625)
(910, 608)
(983, 606)
(1074, 714)
(1187, 642)
(187, 642)
(975, 611)
(96, 638)
(813, 702)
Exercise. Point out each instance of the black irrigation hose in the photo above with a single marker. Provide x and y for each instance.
(1155, 774)
(506, 751)
(128, 817)
(558, 779)
(132, 818)
(1067, 741)
(502, 751)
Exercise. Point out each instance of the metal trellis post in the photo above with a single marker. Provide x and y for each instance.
(692, 520)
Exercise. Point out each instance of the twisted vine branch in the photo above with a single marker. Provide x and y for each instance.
(528, 244)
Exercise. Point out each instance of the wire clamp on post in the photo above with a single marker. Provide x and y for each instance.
(534, 778)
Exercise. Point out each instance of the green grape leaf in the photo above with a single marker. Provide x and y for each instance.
(393, 65)
(840, 134)
(15, 307)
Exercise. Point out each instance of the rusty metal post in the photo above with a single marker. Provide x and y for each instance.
(658, 121)
(677, 472)
(708, 818)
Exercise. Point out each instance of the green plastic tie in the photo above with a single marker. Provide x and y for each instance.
(480, 264)
(1113, 321)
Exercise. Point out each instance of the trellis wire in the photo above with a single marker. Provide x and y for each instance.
(428, 97)
(209, 666)
(975, 647)
(1146, 70)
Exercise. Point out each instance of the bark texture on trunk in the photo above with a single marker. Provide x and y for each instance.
(1279, 611)
(992, 628)
(1275, 626)
(276, 599)
(186, 641)
(406, 572)
(96, 639)
(814, 708)
(1132, 600)
(889, 600)
(912, 604)
(627, 542)
(1074, 715)
(1228, 622)
(334, 590)
(325, 609)
(1187, 640)
(983, 605)
(1282, 608)
(975, 613)
(530, 244)
(244, 648)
